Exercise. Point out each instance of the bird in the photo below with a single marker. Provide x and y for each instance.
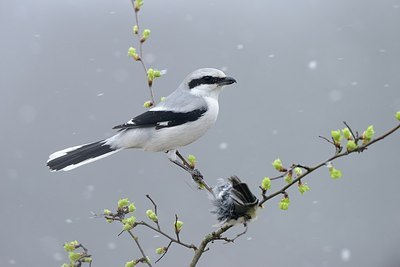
(233, 202)
(183, 117)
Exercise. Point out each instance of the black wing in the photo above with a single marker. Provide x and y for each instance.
(241, 195)
(162, 119)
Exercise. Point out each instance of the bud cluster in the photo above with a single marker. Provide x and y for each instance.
(76, 258)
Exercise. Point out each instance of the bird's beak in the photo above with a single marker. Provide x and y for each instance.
(226, 81)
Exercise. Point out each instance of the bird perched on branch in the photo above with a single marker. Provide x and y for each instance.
(182, 118)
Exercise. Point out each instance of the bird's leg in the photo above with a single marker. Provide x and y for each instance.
(246, 227)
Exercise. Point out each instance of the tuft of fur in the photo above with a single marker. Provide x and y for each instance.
(234, 202)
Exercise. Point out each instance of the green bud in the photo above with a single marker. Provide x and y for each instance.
(138, 4)
(147, 104)
(368, 134)
(71, 246)
(192, 160)
(347, 134)
(178, 226)
(131, 51)
(150, 74)
(351, 146)
(130, 264)
(335, 173)
(123, 203)
(145, 35)
(106, 212)
(157, 73)
(73, 256)
(163, 99)
(266, 183)
(398, 115)
(278, 165)
(284, 203)
(109, 220)
(201, 186)
(135, 29)
(66, 265)
(131, 220)
(152, 216)
(337, 136)
(131, 207)
(288, 178)
(303, 188)
(298, 171)
(160, 250)
(127, 227)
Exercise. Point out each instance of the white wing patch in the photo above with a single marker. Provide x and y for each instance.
(163, 123)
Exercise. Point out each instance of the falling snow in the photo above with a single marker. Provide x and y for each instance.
(312, 65)
(239, 46)
(223, 146)
(345, 254)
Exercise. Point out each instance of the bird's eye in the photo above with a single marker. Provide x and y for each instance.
(207, 78)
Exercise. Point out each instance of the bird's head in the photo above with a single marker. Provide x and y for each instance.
(207, 82)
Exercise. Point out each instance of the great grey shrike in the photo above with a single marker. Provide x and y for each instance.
(182, 118)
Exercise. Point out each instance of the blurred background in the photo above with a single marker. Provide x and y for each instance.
(302, 68)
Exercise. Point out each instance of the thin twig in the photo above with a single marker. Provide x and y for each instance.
(136, 239)
(327, 140)
(166, 235)
(196, 175)
(165, 252)
(149, 84)
(351, 131)
(155, 210)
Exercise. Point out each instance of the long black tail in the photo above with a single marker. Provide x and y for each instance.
(73, 157)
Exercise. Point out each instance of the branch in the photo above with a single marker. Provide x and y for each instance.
(209, 238)
(309, 170)
(141, 40)
(166, 235)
